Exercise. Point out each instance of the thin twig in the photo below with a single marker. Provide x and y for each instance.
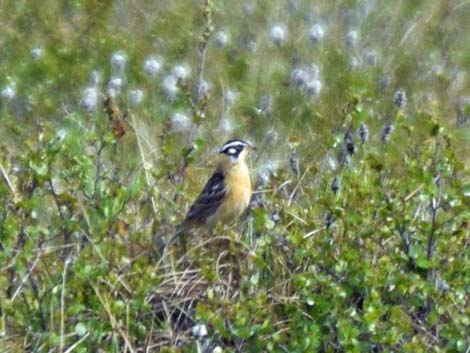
(25, 278)
(7, 179)
(144, 163)
(291, 197)
(313, 232)
(114, 323)
(62, 306)
(73, 346)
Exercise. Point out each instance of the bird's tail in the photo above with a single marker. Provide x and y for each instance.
(180, 230)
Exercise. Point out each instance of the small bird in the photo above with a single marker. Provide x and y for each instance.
(227, 192)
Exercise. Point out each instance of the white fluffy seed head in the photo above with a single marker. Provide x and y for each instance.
(222, 39)
(203, 89)
(115, 86)
(277, 34)
(313, 87)
(316, 33)
(89, 100)
(230, 97)
(400, 99)
(332, 164)
(386, 132)
(266, 171)
(199, 331)
(153, 65)
(61, 134)
(36, 53)
(300, 76)
(181, 72)
(180, 122)
(217, 349)
(135, 97)
(371, 57)
(170, 86)
(250, 44)
(118, 62)
(353, 62)
(351, 39)
(8, 92)
(363, 133)
(95, 78)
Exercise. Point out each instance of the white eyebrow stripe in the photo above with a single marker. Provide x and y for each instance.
(234, 144)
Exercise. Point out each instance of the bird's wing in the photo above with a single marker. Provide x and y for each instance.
(209, 200)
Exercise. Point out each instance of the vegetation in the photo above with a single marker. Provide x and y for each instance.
(358, 235)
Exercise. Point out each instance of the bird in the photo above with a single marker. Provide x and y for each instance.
(227, 193)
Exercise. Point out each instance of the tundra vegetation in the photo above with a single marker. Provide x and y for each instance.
(358, 234)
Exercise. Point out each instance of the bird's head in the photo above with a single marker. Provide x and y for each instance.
(235, 151)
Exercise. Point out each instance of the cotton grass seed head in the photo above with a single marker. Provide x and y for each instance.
(386, 132)
(371, 57)
(277, 34)
(222, 39)
(332, 164)
(199, 331)
(170, 87)
(230, 98)
(313, 88)
(301, 76)
(8, 92)
(316, 33)
(61, 134)
(181, 122)
(363, 133)
(36, 53)
(115, 86)
(181, 71)
(298, 77)
(335, 185)
(400, 99)
(217, 349)
(95, 78)
(153, 65)
(118, 62)
(250, 43)
(267, 170)
(89, 100)
(135, 97)
(203, 89)
(351, 39)
(353, 62)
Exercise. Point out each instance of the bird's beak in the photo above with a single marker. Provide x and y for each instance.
(251, 148)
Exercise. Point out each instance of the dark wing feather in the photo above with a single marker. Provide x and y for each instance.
(209, 200)
(205, 205)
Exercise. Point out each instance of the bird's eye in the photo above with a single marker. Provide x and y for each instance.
(232, 151)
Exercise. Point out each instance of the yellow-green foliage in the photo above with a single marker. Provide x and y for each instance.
(349, 246)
